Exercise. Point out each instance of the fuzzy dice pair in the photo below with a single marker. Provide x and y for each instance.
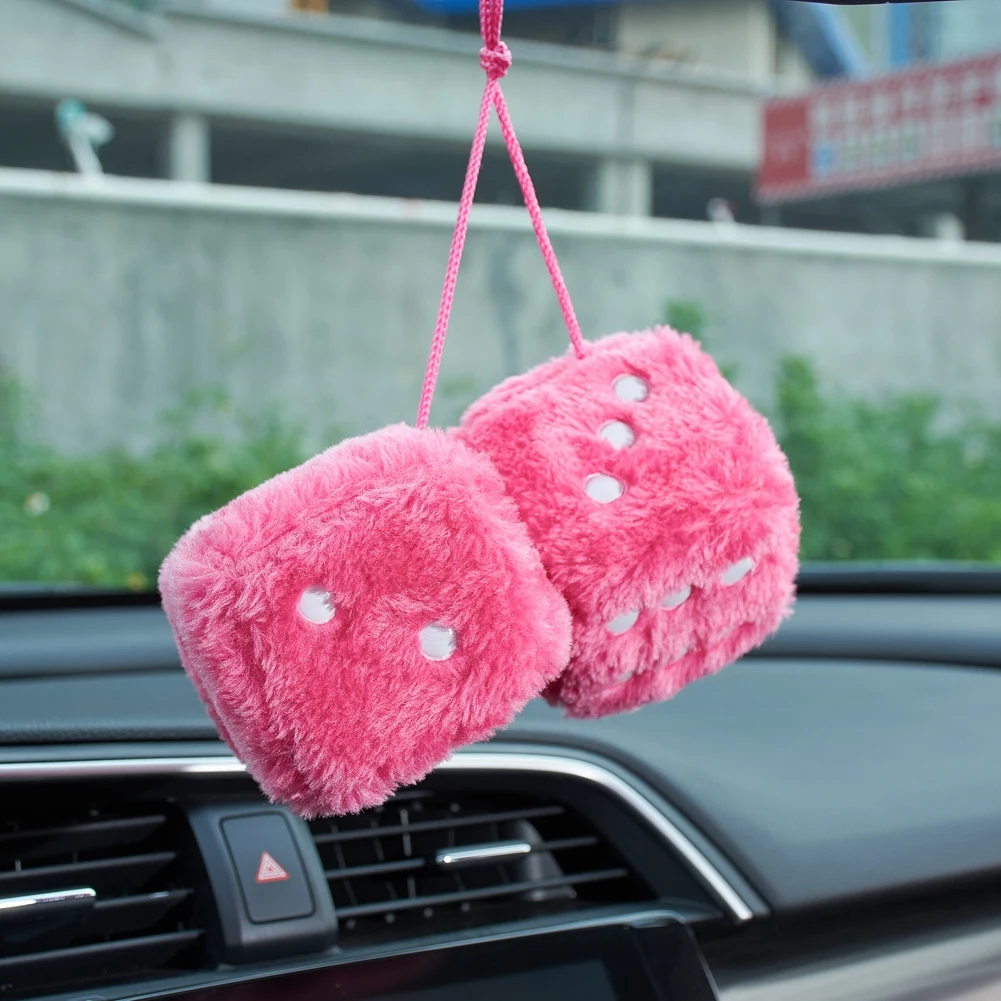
(602, 530)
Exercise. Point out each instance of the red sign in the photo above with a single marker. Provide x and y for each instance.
(925, 123)
(269, 871)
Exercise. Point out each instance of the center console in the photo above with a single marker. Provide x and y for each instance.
(655, 959)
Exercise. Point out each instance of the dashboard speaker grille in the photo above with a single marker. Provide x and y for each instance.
(430, 860)
(90, 894)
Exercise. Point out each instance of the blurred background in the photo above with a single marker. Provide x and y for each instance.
(224, 224)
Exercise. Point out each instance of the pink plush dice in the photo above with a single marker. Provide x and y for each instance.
(661, 505)
(351, 622)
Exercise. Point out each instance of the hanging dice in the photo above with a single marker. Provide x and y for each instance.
(351, 622)
(662, 507)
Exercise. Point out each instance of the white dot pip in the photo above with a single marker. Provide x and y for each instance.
(437, 641)
(624, 622)
(676, 598)
(316, 605)
(618, 434)
(737, 571)
(603, 489)
(631, 388)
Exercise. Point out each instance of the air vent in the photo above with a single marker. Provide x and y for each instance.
(429, 861)
(92, 895)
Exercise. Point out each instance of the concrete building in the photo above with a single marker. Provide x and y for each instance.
(655, 113)
(150, 286)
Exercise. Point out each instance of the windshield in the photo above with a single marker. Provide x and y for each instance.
(224, 225)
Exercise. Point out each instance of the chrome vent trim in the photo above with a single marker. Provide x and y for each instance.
(35, 903)
(448, 858)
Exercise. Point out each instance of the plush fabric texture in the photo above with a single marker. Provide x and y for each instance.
(704, 487)
(403, 529)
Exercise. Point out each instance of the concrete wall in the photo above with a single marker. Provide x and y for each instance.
(116, 297)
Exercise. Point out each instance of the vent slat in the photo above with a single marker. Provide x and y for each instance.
(461, 896)
(135, 913)
(376, 869)
(117, 918)
(105, 960)
(565, 844)
(423, 826)
(84, 836)
(145, 902)
(109, 875)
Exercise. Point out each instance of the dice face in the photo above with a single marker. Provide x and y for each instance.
(351, 622)
(661, 505)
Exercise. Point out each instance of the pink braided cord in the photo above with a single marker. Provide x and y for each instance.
(495, 58)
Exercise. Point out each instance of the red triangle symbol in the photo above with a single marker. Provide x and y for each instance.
(269, 871)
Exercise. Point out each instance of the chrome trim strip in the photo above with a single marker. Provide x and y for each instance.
(455, 858)
(633, 793)
(81, 895)
(220, 764)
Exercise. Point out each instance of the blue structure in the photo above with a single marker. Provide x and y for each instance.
(818, 30)
(821, 34)
(900, 32)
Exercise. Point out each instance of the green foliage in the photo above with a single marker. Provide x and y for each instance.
(883, 481)
(688, 316)
(109, 518)
(879, 481)
(876, 481)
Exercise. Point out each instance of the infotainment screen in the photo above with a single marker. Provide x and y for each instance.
(653, 960)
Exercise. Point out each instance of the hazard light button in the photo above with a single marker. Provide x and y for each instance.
(269, 867)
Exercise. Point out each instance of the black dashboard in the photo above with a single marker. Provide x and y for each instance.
(822, 820)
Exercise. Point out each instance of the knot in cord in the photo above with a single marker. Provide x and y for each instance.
(495, 61)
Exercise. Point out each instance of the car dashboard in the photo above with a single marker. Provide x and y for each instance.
(821, 820)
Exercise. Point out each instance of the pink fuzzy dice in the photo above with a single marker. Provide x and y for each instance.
(351, 622)
(661, 505)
